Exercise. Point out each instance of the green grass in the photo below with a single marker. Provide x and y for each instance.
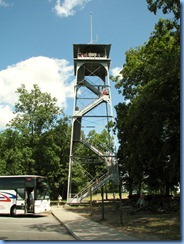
(98, 197)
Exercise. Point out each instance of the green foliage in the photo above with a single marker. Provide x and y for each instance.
(36, 112)
(37, 140)
(13, 156)
(167, 6)
(149, 122)
(102, 140)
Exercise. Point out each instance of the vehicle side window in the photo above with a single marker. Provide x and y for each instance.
(20, 193)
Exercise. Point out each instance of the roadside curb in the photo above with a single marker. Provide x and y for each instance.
(68, 229)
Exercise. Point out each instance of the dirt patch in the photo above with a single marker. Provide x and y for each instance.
(144, 224)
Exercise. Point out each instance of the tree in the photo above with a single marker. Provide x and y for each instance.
(37, 140)
(10, 153)
(167, 6)
(52, 156)
(151, 115)
(36, 112)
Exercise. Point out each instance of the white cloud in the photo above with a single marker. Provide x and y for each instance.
(116, 71)
(69, 7)
(6, 115)
(54, 76)
(3, 3)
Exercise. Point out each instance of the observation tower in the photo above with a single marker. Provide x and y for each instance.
(92, 110)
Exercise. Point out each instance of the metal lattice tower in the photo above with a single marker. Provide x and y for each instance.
(92, 109)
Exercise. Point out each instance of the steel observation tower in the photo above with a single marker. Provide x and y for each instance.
(92, 109)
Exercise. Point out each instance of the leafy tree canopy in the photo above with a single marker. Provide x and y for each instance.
(149, 121)
(167, 6)
(36, 111)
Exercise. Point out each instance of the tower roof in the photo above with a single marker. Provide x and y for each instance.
(102, 49)
(91, 54)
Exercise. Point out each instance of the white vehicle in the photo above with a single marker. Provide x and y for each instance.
(23, 194)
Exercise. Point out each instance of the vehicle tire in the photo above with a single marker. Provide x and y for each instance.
(13, 211)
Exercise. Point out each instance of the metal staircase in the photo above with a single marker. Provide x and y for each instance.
(91, 87)
(95, 184)
(92, 187)
(106, 158)
(103, 98)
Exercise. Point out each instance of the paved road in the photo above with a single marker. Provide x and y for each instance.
(39, 227)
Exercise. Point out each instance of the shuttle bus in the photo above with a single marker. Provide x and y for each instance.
(24, 194)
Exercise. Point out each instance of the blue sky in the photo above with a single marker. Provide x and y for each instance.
(37, 37)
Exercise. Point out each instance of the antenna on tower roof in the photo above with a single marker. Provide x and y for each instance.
(91, 30)
(91, 27)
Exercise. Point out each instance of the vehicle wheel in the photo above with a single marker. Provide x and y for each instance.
(13, 211)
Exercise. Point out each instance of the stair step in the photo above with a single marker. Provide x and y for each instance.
(103, 98)
(93, 186)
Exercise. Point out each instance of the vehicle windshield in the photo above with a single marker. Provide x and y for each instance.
(42, 189)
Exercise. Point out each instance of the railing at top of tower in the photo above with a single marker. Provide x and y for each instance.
(92, 55)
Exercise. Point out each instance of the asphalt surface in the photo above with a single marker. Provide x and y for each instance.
(38, 227)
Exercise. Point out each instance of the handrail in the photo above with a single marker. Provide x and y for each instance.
(93, 185)
(101, 154)
(98, 101)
